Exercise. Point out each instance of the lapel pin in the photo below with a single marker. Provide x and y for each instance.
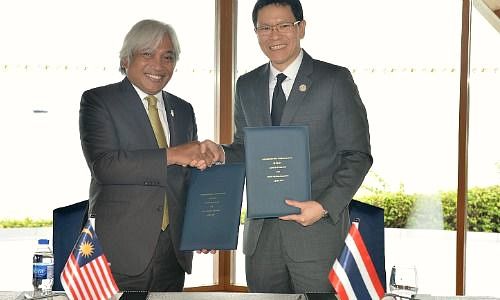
(302, 87)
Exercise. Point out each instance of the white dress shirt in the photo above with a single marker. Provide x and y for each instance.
(161, 110)
(290, 72)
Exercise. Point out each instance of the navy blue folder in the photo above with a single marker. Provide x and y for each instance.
(213, 208)
(278, 168)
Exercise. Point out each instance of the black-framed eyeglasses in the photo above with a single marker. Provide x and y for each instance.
(281, 28)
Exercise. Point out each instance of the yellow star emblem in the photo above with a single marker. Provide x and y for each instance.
(86, 249)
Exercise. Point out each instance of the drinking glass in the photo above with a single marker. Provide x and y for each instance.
(403, 281)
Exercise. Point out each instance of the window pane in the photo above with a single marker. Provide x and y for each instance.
(408, 77)
(249, 56)
(483, 237)
(407, 72)
(48, 58)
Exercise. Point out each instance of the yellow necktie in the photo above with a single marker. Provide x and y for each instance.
(154, 118)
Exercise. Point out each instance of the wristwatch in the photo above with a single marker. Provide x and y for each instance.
(325, 213)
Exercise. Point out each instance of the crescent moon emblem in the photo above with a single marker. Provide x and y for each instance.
(87, 231)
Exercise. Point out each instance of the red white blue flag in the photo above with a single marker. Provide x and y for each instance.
(87, 274)
(353, 274)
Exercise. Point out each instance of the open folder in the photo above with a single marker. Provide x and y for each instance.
(213, 207)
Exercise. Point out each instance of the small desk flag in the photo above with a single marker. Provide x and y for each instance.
(87, 274)
(353, 274)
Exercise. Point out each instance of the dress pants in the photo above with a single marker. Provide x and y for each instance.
(163, 274)
(271, 270)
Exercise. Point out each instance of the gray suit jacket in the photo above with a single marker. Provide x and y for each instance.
(129, 174)
(324, 98)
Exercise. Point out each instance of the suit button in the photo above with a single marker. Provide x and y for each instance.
(159, 208)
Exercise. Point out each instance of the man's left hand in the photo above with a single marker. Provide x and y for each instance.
(310, 212)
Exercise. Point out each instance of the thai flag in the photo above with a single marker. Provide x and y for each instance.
(87, 274)
(353, 274)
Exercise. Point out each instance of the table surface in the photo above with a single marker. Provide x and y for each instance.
(178, 296)
(13, 295)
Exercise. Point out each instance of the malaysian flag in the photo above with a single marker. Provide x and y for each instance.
(353, 274)
(87, 274)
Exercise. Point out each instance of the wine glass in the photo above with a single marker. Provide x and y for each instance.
(403, 281)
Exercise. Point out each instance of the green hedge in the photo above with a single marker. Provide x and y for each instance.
(483, 209)
(403, 210)
(397, 206)
(25, 223)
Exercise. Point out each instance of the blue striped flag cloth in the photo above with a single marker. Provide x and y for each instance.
(353, 275)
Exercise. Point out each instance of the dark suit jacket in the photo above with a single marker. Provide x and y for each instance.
(324, 98)
(129, 174)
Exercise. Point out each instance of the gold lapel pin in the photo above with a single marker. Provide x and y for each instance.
(302, 87)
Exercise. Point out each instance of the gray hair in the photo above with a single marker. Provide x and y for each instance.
(147, 34)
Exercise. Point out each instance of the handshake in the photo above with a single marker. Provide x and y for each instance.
(196, 154)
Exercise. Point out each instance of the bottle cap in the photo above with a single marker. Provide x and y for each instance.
(43, 241)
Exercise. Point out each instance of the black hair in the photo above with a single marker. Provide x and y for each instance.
(294, 5)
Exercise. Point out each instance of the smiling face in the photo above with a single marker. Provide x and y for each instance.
(281, 48)
(151, 69)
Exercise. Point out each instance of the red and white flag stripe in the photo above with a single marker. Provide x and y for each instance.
(350, 278)
(91, 281)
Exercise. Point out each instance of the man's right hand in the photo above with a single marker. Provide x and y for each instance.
(190, 154)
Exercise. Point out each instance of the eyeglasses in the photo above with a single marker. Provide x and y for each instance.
(281, 28)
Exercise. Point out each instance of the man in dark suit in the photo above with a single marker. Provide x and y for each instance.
(293, 254)
(138, 186)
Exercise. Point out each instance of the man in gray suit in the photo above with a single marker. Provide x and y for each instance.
(293, 254)
(138, 186)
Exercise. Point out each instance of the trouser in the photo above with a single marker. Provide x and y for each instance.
(163, 274)
(271, 270)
